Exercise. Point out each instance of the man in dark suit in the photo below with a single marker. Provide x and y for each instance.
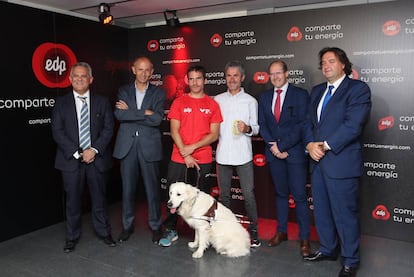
(80, 159)
(140, 111)
(282, 111)
(333, 139)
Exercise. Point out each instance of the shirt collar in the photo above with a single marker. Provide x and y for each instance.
(336, 83)
(237, 94)
(86, 94)
(283, 88)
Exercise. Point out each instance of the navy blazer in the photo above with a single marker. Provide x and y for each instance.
(341, 127)
(65, 131)
(133, 121)
(288, 131)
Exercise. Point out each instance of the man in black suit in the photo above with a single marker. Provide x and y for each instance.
(83, 160)
(140, 110)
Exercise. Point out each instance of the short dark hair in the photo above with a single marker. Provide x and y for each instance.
(237, 64)
(81, 64)
(197, 68)
(340, 54)
(284, 66)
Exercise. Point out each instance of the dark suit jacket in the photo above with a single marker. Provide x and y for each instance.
(341, 126)
(66, 133)
(287, 133)
(134, 120)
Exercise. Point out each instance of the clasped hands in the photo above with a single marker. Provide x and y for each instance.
(88, 156)
(276, 152)
(189, 160)
(316, 150)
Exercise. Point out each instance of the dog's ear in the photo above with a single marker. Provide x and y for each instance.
(191, 191)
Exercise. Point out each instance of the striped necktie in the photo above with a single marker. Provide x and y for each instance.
(84, 133)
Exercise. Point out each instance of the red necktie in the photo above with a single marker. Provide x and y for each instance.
(276, 110)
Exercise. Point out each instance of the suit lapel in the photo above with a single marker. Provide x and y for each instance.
(287, 102)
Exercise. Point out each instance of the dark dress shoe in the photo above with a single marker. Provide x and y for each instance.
(319, 256)
(124, 236)
(347, 271)
(277, 239)
(108, 240)
(305, 248)
(70, 245)
(156, 236)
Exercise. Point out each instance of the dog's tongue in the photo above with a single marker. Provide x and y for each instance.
(173, 210)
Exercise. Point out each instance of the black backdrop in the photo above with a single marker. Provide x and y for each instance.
(377, 37)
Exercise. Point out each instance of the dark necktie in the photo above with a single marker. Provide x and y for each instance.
(84, 133)
(276, 110)
(327, 98)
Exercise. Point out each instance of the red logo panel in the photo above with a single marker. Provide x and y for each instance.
(261, 77)
(381, 213)
(51, 63)
(259, 160)
(294, 34)
(391, 28)
(216, 40)
(153, 45)
(385, 123)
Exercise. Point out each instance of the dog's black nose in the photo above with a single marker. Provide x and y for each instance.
(169, 204)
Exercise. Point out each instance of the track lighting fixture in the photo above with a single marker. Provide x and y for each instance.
(171, 18)
(105, 16)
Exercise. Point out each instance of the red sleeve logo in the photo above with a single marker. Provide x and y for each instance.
(385, 123)
(391, 28)
(216, 40)
(294, 34)
(381, 213)
(51, 63)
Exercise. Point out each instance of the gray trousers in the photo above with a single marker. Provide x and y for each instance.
(246, 177)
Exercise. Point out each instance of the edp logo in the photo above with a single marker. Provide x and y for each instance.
(56, 65)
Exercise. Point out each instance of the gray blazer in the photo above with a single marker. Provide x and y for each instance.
(133, 122)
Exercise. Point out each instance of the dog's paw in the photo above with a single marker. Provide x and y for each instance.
(193, 244)
(198, 254)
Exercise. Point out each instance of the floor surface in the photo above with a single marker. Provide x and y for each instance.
(41, 254)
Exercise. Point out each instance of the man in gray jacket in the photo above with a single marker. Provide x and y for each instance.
(140, 110)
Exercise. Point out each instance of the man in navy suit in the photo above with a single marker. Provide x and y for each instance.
(140, 111)
(333, 139)
(282, 112)
(89, 164)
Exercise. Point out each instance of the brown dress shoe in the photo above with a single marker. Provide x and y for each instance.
(305, 248)
(277, 239)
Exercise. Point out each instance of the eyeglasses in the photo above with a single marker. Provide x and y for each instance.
(276, 73)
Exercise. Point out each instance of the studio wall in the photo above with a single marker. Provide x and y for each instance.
(379, 40)
(31, 189)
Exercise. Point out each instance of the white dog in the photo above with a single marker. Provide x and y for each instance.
(213, 223)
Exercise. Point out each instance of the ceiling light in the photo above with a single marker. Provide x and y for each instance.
(171, 18)
(105, 16)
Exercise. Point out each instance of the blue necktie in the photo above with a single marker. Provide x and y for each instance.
(84, 133)
(327, 98)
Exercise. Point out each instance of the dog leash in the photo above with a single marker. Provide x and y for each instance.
(197, 182)
(212, 211)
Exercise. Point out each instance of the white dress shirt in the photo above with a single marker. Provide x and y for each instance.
(236, 148)
(336, 85)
